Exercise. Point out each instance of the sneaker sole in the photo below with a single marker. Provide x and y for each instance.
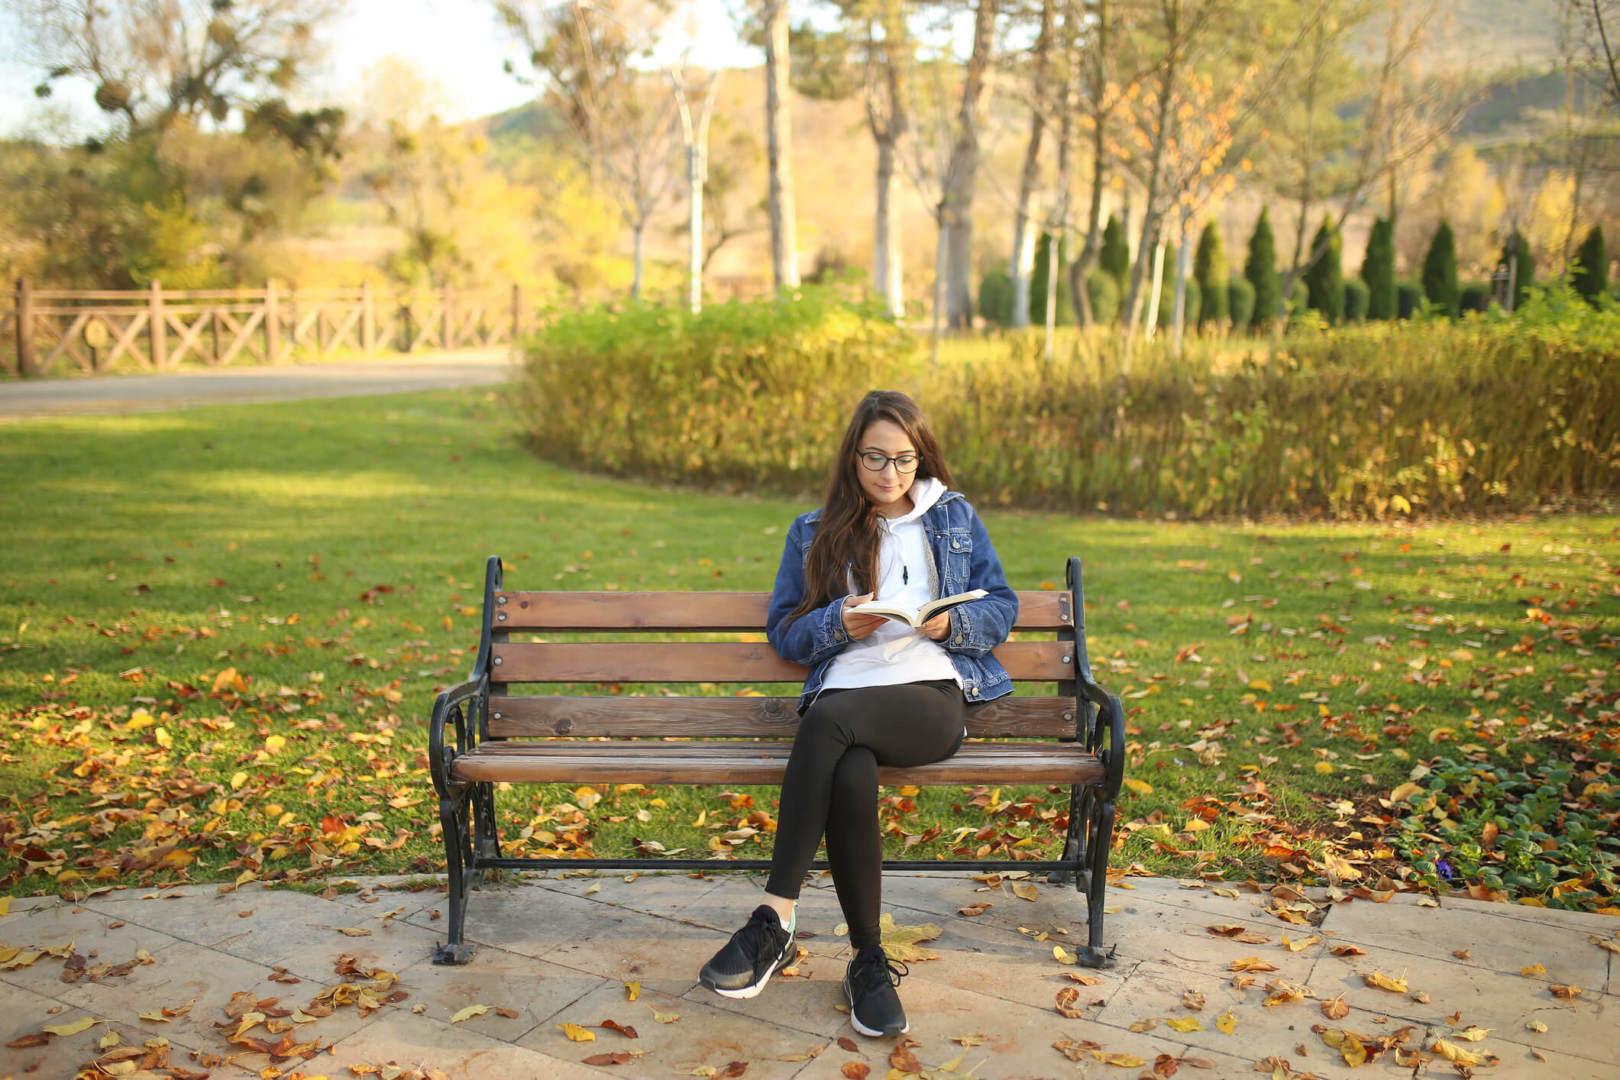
(743, 993)
(862, 1028)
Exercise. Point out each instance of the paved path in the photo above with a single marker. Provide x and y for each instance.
(561, 950)
(26, 398)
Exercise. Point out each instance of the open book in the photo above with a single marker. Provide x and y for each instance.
(915, 617)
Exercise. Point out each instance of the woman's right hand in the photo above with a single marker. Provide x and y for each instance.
(856, 625)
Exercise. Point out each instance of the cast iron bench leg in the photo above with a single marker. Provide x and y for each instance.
(455, 818)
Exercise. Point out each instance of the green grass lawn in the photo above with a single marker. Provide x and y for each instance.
(221, 630)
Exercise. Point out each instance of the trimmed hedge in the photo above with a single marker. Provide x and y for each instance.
(1487, 414)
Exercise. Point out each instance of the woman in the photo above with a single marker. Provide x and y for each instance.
(879, 693)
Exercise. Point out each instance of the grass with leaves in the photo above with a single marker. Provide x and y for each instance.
(221, 630)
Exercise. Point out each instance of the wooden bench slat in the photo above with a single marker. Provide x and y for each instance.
(714, 661)
(697, 611)
(760, 763)
(534, 716)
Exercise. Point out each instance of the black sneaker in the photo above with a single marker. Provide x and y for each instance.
(874, 1007)
(751, 957)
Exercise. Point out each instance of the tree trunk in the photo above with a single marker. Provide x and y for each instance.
(886, 268)
(779, 143)
(1181, 282)
(962, 174)
(1022, 242)
(1151, 212)
(1080, 269)
(886, 118)
(638, 231)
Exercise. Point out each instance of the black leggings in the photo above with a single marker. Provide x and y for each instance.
(831, 786)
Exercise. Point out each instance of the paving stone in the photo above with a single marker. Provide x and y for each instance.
(533, 988)
(375, 897)
(1145, 929)
(705, 1034)
(311, 951)
(1589, 922)
(98, 938)
(1493, 942)
(1517, 1061)
(186, 972)
(23, 1012)
(1589, 1027)
(207, 917)
(417, 1041)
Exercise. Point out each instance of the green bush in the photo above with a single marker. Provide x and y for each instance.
(1167, 296)
(1440, 270)
(1240, 301)
(1037, 283)
(1355, 300)
(996, 296)
(753, 393)
(1378, 270)
(1408, 298)
(1261, 270)
(1324, 278)
(1474, 296)
(1590, 277)
(1212, 274)
(1103, 292)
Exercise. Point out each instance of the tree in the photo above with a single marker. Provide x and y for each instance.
(1590, 277)
(1260, 270)
(1324, 281)
(157, 61)
(961, 175)
(1040, 275)
(1378, 270)
(1115, 258)
(1520, 266)
(1211, 273)
(1440, 270)
(779, 144)
(1600, 21)
(1018, 265)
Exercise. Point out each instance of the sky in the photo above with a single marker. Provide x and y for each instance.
(455, 43)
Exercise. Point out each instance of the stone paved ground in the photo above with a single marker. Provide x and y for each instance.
(23, 399)
(560, 950)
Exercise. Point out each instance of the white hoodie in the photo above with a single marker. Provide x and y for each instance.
(895, 653)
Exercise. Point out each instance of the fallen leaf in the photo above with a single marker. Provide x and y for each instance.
(576, 1033)
(632, 990)
(1066, 998)
(1124, 1061)
(1461, 954)
(1302, 943)
(1076, 1050)
(1026, 890)
(1084, 979)
(1145, 1025)
(1250, 963)
(1192, 999)
(1533, 971)
(902, 1059)
(72, 1028)
(1347, 950)
(971, 1039)
(617, 1057)
(469, 1012)
(1335, 1008)
(1471, 1034)
(1184, 1023)
(665, 1018)
(627, 1032)
(856, 1070)
(1535, 1025)
(975, 909)
(1456, 1054)
(1226, 1023)
(1384, 982)
(1566, 993)
(904, 943)
(1139, 787)
(1283, 993)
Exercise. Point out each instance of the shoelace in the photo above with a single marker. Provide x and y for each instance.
(875, 964)
(759, 935)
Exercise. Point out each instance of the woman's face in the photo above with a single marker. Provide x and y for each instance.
(886, 488)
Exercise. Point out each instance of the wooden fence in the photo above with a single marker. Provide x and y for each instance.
(49, 331)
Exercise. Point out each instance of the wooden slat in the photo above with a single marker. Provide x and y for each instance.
(759, 763)
(535, 716)
(693, 611)
(721, 661)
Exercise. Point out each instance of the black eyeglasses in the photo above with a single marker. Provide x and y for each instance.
(876, 462)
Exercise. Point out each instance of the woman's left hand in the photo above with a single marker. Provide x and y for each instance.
(939, 627)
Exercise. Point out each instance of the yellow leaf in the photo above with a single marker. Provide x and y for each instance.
(665, 1018)
(1062, 957)
(162, 737)
(5, 906)
(1472, 1034)
(1324, 767)
(1384, 982)
(1261, 685)
(140, 718)
(632, 990)
(904, 943)
(237, 780)
(1353, 1052)
(155, 1015)
(1533, 971)
(577, 1033)
(1456, 1054)
(468, 1013)
(1185, 1023)
(274, 743)
(1302, 943)
(1405, 791)
(1140, 787)
(109, 1040)
(229, 680)
(1226, 1023)
(1026, 890)
(1535, 1025)
(1124, 1061)
(587, 797)
(73, 1028)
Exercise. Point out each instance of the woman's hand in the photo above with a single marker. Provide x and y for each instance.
(939, 627)
(856, 625)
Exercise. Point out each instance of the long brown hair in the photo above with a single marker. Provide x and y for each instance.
(848, 536)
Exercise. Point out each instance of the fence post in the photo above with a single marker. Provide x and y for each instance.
(156, 327)
(25, 328)
(272, 324)
(368, 327)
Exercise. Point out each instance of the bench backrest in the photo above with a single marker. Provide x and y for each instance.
(1050, 615)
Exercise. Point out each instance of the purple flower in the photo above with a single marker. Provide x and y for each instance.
(1445, 870)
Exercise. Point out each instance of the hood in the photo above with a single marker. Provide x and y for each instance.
(924, 494)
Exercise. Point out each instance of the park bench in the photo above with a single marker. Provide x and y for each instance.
(484, 731)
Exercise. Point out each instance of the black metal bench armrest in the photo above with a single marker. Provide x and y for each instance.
(447, 710)
(1110, 718)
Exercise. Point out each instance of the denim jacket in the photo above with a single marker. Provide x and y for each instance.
(965, 559)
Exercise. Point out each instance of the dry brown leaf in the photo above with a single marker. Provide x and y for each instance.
(627, 1032)
(1611, 944)
(1335, 1008)
(617, 1057)
(856, 1070)
(1076, 1050)
(1347, 950)
(1566, 993)
(1026, 890)
(1192, 999)
(975, 909)
(1250, 963)
(1066, 999)
(1461, 954)
(902, 1059)
(971, 1039)
(1083, 979)
(1283, 993)
(1145, 1025)
(1533, 971)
